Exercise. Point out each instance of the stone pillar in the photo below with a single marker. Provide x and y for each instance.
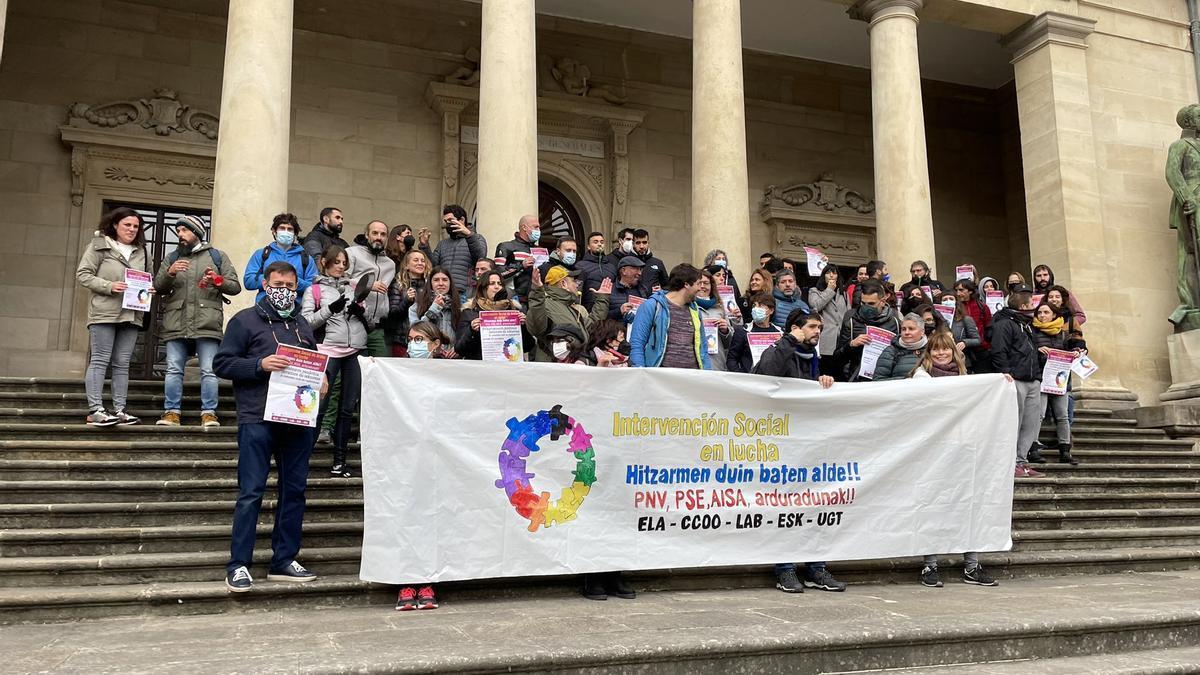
(450, 106)
(1062, 189)
(3, 16)
(720, 188)
(507, 119)
(904, 215)
(251, 176)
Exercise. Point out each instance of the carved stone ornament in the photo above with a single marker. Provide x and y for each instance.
(163, 115)
(467, 75)
(574, 78)
(824, 193)
(844, 245)
(197, 181)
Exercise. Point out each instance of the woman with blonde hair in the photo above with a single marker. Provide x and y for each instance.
(411, 276)
(761, 282)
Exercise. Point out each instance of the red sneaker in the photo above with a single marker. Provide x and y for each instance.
(426, 599)
(1030, 473)
(407, 600)
(1021, 471)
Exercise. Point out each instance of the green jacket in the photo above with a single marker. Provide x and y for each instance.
(551, 306)
(188, 310)
(101, 267)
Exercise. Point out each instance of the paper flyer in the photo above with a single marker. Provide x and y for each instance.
(963, 272)
(880, 339)
(946, 312)
(500, 336)
(1084, 366)
(294, 393)
(1037, 298)
(994, 300)
(137, 290)
(816, 262)
(711, 335)
(760, 341)
(540, 256)
(928, 291)
(1057, 371)
(728, 299)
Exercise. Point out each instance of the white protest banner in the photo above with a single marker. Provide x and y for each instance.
(964, 272)
(995, 300)
(294, 393)
(711, 335)
(760, 341)
(540, 256)
(880, 339)
(137, 290)
(500, 336)
(652, 468)
(816, 261)
(1084, 366)
(1057, 371)
(728, 299)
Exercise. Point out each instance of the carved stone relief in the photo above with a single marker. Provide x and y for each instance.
(821, 214)
(575, 79)
(162, 114)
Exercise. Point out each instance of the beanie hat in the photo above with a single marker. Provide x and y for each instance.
(194, 224)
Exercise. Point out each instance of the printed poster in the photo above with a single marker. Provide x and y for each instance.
(712, 335)
(500, 336)
(994, 300)
(1084, 366)
(880, 339)
(760, 341)
(963, 272)
(294, 393)
(728, 300)
(947, 313)
(1057, 372)
(816, 261)
(137, 290)
(541, 256)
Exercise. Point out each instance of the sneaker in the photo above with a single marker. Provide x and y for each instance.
(930, 577)
(1035, 456)
(823, 580)
(99, 418)
(978, 577)
(615, 585)
(426, 599)
(788, 582)
(593, 587)
(1030, 473)
(294, 572)
(406, 601)
(325, 437)
(239, 580)
(124, 419)
(1021, 471)
(168, 419)
(209, 419)
(341, 471)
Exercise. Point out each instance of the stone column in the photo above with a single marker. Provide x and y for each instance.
(3, 16)
(507, 119)
(720, 192)
(904, 215)
(251, 176)
(1062, 189)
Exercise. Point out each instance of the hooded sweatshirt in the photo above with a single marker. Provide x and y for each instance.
(1076, 309)
(1013, 349)
(364, 261)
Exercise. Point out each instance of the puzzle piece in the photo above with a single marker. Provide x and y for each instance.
(562, 422)
(524, 499)
(556, 515)
(524, 433)
(538, 517)
(580, 439)
(512, 472)
(573, 496)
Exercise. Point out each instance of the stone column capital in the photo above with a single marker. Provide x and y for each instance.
(873, 11)
(1048, 28)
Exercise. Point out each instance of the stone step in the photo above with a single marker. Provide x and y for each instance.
(1062, 484)
(1103, 443)
(1167, 661)
(1095, 421)
(1086, 428)
(1026, 499)
(1098, 519)
(147, 430)
(16, 400)
(70, 385)
(138, 451)
(110, 541)
(162, 513)
(225, 489)
(1156, 456)
(1118, 469)
(159, 469)
(1105, 538)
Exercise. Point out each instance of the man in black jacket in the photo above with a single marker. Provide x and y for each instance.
(872, 310)
(795, 355)
(1014, 353)
(328, 232)
(247, 357)
(654, 275)
(518, 256)
(596, 266)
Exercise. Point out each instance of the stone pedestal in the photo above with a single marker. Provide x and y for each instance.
(1184, 352)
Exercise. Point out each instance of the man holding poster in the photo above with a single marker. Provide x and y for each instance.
(249, 356)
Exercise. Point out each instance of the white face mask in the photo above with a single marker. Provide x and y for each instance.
(560, 349)
(627, 245)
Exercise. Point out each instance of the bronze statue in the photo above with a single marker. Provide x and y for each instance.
(1183, 175)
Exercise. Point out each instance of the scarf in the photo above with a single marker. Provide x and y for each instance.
(943, 371)
(1050, 328)
(919, 344)
(486, 305)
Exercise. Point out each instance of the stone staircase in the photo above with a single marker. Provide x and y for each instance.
(135, 520)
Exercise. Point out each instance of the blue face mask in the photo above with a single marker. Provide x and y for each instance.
(719, 263)
(418, 350)
(534, 235)
(285, 238)
(569, 257)
(759, 314)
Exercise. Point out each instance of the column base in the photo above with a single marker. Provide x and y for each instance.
(1101, 397)
(1176, 419)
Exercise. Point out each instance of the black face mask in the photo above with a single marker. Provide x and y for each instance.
(1013, 287)
(623, 349)
(408, 242)
(929, 328)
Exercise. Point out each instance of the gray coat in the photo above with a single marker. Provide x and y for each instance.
(100, 267)
(966, 332)
(830, 304)
(188, 310)
(458, 256)
(341, 329)
(381, 268)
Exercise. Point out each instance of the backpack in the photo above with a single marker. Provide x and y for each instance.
(213, 253)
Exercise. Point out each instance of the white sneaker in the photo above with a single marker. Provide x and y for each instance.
(100, 418)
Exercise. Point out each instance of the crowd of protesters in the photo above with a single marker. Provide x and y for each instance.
(390, 293)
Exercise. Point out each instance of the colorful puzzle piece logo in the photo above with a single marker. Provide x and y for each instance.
(517, 481)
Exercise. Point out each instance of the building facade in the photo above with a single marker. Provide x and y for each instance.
(999, 133)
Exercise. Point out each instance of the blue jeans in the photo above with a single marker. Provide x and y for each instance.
(178, 352)
(813, 567)
(291, 447)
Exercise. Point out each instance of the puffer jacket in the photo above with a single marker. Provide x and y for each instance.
(855, 324)
(964, 331)
(319, 239)
(651, 327)
(1013, 349)
(785, 305)
(363, 261)
(831, 306)
(340, 329)
(551, 306)
(595, 268)
(100, 267)
(458, 255)
(897, 361)
(786, 358)
(188, 310)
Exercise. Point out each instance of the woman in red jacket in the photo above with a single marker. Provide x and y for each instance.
(974, 306)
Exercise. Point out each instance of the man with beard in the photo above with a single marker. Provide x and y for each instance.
(872, 310)
(369, 258)
(596, 266)
(326, 233)
(1015, 354)
(1043, 279)
(654, 275)
(192, 284)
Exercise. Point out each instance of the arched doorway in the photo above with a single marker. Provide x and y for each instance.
(558, 216)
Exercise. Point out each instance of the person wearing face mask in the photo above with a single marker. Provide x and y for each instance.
(427, 341)
(899, 358)
(490, 296)
(193, 282)
(412, 276)
(1014, 353)
(327, 232)
(1013, 280)
(654, 275)
(828, 300)
(1051, 331)
(666, 331)
(761, 282)
(1043, 281)
(437, 303)
(597, 265)
(872, 310)
(608, 345)
(713, 310)
(943, 359)
(247, 357)
(565, 253)
(876, 270)
(787, 297)
(520, 268)
(369, 258)
(738, 358)
(568, 346)
(341, 332)
(400, 240)
(460, 249)
(721, 259)
(285, 230)
(624, 243)
(554, 301)
(629, 273)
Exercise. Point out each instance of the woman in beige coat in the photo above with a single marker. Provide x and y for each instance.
(119, 245)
